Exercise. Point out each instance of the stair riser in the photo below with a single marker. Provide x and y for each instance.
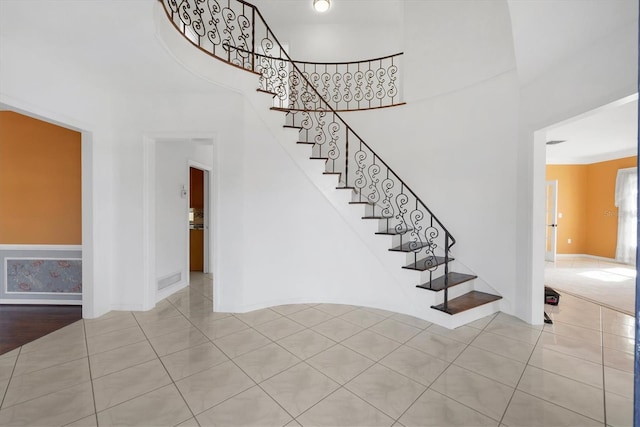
(454, 292)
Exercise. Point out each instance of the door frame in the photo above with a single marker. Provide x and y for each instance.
(551, 229)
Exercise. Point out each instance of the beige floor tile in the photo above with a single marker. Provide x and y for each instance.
(36, 360)
(293, 423)
(571, 346)
(502, 369)
(619, 410)
(176, 341)
(124, 385)
(306, 343)
(90, 421)
(4, 384)
(115, 323)
(161, 407)
(8, 362)
(513, 331)
(617, 342)
(586, 315)
(529, 411)
(363, 318)
(208, 388)
(279, 328)
(415, 364)
(257, 317)
(219, 328)
(191, 422)
(310, 317)
(335, 309)
(266, 362)
(58, 408)
(165, 326)
(565, 392)
(44, 381)
(241, 342)
(340, 363)
(433, 409)
(343, 408)
(385, 389)
(567, 366)
(475, 391)
(120, 358)
(337, 329)
(565, 329)
(70, 335)
(372, 345)
(298, 388)
(436, 345)
(192, 360)
(202, 318)
(411, 320)
(395, 330)
(482, 323)
(115, 339)
(618, 359)
(380, 311)
(162, 310)
(504, 346)
(464, 334)
(288, 309)
(618, 382)
(252, 407)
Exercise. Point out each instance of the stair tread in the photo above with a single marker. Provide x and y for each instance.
(467, 302)
(437, 284)
(427, 263)
(394, 232)
(410, 247)
(305, 142)
(291, 127)
(268, 92)
(375, 217)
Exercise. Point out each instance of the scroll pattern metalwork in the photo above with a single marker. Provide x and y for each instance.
(235, 32)
(376, 185)
(312, 94)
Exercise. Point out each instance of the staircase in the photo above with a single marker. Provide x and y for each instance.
(311, 96)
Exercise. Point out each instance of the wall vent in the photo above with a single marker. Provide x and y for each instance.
(169, 280)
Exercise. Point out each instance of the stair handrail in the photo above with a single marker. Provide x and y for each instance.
(173, 7)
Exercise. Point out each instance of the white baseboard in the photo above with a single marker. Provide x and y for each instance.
(41, 301)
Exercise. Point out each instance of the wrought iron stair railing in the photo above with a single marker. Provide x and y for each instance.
(235, 32)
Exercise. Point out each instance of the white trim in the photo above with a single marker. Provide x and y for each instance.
(597, 158)
(40, 247)
(601, 258)
(41, 301)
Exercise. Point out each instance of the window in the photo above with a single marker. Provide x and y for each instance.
(627, 203)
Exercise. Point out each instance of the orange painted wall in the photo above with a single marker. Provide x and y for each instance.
(602, 214)
(40, 182)
(586, 200)
(572, 195)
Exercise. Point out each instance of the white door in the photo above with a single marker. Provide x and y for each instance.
(552, 220)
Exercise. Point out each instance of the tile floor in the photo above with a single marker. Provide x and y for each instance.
(599, 280)
(322, 365)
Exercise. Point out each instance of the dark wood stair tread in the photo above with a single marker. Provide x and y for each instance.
(305, 142)
(410, 247)
(467, 302)
(394, 232)
(268, 92)
(291, 127)
(437, 284)
(427, 263)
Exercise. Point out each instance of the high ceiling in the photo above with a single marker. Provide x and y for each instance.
(95, 36)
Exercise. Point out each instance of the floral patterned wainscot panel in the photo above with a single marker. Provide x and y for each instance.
(44, 276)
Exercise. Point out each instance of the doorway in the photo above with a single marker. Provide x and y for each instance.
(552, 220)
(198, 220)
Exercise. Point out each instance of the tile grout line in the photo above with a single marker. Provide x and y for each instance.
(4, 395)
(604, 384)
(93, 392)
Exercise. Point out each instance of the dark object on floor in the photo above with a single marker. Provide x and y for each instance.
(551, 296)
(21, 324)
(547, 319)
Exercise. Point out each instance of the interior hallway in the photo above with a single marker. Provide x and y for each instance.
(308, 364)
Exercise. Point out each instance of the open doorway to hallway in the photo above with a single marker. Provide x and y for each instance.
(588, 158)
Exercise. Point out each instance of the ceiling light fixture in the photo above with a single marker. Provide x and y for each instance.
(321, 5)
(557, 141)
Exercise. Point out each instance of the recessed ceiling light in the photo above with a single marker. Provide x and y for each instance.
(321, 5)
(556, 141)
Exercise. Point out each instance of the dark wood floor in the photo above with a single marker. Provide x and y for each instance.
(20, 324)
